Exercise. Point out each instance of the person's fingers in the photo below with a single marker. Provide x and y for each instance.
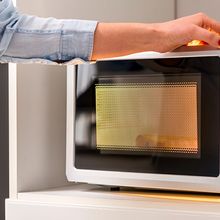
(209, 23)
(211, 38)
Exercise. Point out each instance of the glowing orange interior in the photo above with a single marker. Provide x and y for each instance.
(196, 43)
(200, 42)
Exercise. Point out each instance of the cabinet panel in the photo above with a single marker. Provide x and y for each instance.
(41, 126)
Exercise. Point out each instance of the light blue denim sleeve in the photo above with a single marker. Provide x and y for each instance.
(30, 37)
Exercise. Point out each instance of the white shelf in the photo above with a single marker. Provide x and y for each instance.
(92, 195)
(100, 202)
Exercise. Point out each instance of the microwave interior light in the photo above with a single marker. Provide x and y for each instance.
(147, 117)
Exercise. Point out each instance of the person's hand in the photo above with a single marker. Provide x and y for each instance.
(181, 31)
(118, 39)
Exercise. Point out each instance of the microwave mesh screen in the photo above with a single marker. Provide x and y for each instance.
(147, 117)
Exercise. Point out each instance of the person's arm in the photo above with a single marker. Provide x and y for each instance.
(115, 39)
(29, 37)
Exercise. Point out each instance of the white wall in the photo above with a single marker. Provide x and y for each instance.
(188, 7)
(102, 10)
(42, 89)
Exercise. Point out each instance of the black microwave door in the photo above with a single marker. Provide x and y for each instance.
(148, 116)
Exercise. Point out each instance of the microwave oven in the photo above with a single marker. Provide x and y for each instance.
(148, 120)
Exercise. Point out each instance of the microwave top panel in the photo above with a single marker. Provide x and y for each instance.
(184, 51)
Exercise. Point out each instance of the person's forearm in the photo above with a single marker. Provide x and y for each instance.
(123, 39)
(117, 39)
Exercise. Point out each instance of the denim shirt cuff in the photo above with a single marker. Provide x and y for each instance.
(77, 39)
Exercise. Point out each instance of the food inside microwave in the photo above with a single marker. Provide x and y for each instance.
(167, 143)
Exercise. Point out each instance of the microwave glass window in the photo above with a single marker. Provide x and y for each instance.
(147, 118)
